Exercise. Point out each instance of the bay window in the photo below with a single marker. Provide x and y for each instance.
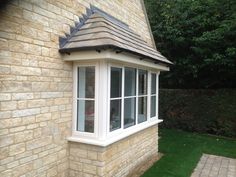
(113, 101)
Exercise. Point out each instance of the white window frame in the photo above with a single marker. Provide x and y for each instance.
(156, 94)
(75, 98)
(102, 135)
(137, 126)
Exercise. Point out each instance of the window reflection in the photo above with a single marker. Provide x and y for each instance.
(85, 99)
(115, 114)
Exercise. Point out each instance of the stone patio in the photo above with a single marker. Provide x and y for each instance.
(215, 166)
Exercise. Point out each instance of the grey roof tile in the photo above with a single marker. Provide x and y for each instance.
(99, 29)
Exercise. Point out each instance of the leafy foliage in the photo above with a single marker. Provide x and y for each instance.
(203, 111)
(199, 36)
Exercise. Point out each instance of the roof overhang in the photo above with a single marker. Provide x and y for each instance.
(113, 56)
(99, 31)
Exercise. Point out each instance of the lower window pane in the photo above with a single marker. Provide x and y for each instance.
(115, 114)
(85, 116)
(129, 112)
(153, 106)
(142, 109)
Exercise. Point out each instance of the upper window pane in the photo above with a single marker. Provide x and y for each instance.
(142, 82)
(130, 82)
(116, 76)
(86, 82)
(154, 85)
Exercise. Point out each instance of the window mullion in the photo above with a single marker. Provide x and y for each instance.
(136, 100)
(157, 94)
(122, 97)
(148, 96)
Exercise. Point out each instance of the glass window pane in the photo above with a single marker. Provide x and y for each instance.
(86, 82)
(142, 82)
(130, 82)
(116, 76)
(129, 112)
(142, 109)
(85, 116)
(154, 83)
(153, 106)
(115, 114)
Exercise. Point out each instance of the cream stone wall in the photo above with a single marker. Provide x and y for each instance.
(36, 85)
(116, 160)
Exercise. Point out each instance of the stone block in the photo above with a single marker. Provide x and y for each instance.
(92, 155)
(54, 8)
(6, 140)
(43, 117)
(52, 172)
(89, 169)
(8, 105)
(5, 96)
(36, 103)
(17, 149)
(12, 164)
(34, 17)
(25, 70)
(17, 129)
(43, 12)
(10, 27)
(22, 169)
(5, 114)
(15, 86)
(49, 159)
(25, 5)
(28, 159)
(22, 96)
(36, 143)
(23, 136)
(45, 51)
(51, 94)
(5, 69)
(22, 104)
(77, 166)
(25, 112)
(7, 123)
(4, 153)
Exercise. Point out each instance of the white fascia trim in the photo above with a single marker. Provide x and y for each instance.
(111, 55)
(107, 142)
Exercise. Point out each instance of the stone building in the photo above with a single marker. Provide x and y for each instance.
(78, 88)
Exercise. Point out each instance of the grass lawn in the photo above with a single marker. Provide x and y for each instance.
(183, 150)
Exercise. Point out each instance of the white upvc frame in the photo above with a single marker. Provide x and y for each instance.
(136, 126)
(156, 94)
(75, 98)
(102, 135)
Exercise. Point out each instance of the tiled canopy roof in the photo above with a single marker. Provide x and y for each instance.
(98, 30)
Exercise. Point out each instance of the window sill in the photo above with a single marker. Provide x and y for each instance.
(104, 143)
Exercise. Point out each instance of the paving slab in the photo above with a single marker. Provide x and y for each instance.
(215, 166)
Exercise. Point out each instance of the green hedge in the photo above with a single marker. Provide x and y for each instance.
(203, 111)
